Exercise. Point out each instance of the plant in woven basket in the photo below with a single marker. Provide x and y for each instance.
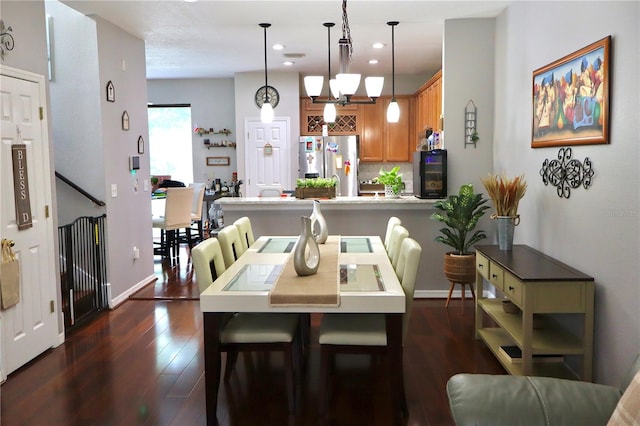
(460, 213)
(505, 193)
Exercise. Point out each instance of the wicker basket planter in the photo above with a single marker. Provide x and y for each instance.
(316, 192)
(460, 269)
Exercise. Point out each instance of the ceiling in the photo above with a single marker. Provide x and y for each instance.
(214, 39)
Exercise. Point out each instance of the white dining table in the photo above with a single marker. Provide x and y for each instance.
(246, 284)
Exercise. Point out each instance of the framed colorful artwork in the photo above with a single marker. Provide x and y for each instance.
(571, 98)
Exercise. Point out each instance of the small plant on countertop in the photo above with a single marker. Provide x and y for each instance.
(391, 178)
(316, 183)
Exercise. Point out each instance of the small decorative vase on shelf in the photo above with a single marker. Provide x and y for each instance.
(318, 219)
(506, 225)
(306, 255)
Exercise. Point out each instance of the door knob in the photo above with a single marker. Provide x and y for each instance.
(11, 243)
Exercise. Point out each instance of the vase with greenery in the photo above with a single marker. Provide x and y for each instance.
(506, 194)
(392, 180)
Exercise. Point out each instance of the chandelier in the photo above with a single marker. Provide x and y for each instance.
(345, 85)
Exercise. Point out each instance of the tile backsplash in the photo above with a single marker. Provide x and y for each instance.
(370, 170)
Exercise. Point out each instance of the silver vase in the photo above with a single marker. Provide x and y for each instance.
(318, 224)
(306, 254)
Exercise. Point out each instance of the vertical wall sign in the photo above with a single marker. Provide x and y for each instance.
(21, 186)
(111, 92)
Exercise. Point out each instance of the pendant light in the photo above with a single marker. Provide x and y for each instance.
(330, 112)
(266, 111)
(345, 85)
(393, 110)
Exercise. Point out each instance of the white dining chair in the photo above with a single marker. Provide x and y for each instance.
(231, 244)
(196, 209)
(177, 215)
(365, 333)
(246, 232)
(391, 223)
(398, 234)
(243, 331)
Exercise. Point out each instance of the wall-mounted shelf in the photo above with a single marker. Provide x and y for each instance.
(211, 131)
(227, 144)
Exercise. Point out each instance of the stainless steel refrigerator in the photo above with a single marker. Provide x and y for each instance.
(331, 156)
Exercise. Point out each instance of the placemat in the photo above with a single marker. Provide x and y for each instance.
(319, 289)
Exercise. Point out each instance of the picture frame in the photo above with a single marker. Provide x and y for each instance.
(570, 98)
(111, 92)
(125, 120)
(140, 145)
(218, 161)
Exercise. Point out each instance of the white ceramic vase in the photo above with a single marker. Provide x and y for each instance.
(306, 254)
(318, 224)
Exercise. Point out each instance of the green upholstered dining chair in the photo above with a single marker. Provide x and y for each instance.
(398, 234)
(244, 331)
(177, 215)
(246, 232)
(231, 244)
(365, 333)
(391, 223)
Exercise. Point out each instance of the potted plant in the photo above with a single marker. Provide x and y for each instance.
(316, 188)
(460, 213)
(506, 195)
(392, 181)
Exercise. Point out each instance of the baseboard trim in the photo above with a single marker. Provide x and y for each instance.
(123, 297)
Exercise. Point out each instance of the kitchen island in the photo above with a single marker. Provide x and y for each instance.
(352, 216)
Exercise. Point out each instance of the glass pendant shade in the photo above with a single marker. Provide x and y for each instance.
(313, 85)
(393, 112)
(329, 113)
(348, 83)
(266, 113)
(335, 88)
(373, 86)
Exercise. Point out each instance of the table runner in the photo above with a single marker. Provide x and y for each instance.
(319, 289)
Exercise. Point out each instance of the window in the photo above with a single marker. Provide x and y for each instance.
(170, 141)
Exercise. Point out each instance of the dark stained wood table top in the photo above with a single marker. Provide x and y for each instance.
(529, 264)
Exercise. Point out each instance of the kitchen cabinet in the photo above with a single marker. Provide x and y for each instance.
(387, 142)
(379, 141)
(429, 105)
(545, 290)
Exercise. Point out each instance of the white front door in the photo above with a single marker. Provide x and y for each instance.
(268, 156)
(30, 327)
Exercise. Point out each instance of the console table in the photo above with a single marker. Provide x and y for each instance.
(539, 286)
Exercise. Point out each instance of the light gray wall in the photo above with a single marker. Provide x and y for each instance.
(212, 106)
(122, 61)
(75, 112)
(595, 230)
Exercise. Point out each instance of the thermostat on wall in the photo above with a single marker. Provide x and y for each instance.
(134, 162)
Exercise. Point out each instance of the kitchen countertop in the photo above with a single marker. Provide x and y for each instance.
(338, 203)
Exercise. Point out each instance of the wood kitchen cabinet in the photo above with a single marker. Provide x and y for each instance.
(379, 141)
(429, 105)
(387, 142)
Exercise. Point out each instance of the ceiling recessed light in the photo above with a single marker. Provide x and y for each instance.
(278, 46)
(373, 61)
(288, 63)
(378, 45)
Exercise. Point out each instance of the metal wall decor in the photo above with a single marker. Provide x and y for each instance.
(6, 39)
(566, 173)
(470, 122)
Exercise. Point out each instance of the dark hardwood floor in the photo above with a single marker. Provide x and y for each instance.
(142, 364)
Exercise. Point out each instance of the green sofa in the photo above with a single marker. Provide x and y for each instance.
(499, 400)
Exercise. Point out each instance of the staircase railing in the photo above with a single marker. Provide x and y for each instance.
(80, 190)
(83, 269)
